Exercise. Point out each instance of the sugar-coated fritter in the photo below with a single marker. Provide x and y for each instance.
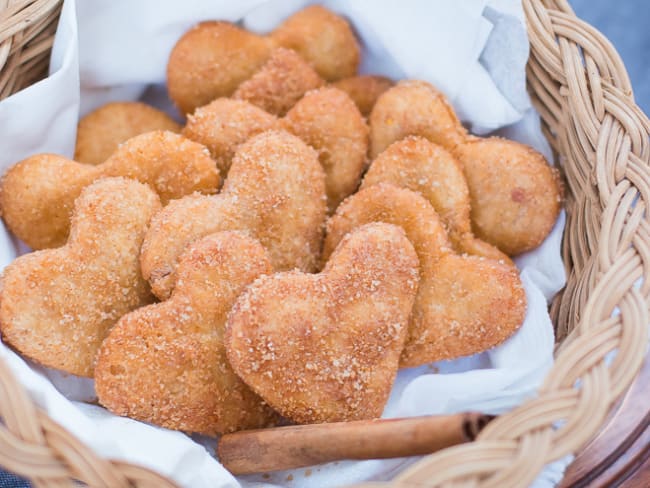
(413, 107)
(515, 195)
(275, 191)
(422, 166)
(322, 38)
(38, 193)
(280, 83)
(101, 131)
(166, 363)
(326, 119)
(325, 347)
(212, 59)
(364, 90)
(465, 304)
(224, 124)
(57, 305)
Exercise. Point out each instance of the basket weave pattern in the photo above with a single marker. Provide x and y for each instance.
(27, 30)
(581, 89)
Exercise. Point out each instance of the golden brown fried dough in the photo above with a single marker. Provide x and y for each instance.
(325, 347)
(465, 304)
(413, 108)
(210, 61)
(224, 124)
(166, 363)
(515, 195)
(364, 90)
(37, 194)
(326, 119)
(275, 191)
(422, 166)
(280, 83)
(58, 305)
(322, 38)
(101, 131)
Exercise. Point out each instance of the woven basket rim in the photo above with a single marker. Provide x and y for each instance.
(582, 91)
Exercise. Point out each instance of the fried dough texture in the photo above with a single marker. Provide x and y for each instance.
(166, 363)
(422, 166)
(275, 191)
(101, 131)
(329, 121)
(515, 195)
(322, 38)
(326, 119)
(364, 90)
(280, 83)
(325, 347)
(57, 305)
(413, 107)
(212, 59)
(37, 194)
(465, 304)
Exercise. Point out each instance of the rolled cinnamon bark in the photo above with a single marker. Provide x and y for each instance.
(263, 450)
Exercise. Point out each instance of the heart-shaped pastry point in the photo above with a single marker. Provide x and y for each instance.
(465, 304)
(166, 363)
(58, 305)
(325, 347)
(275, 191)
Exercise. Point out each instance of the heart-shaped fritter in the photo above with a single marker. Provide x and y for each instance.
(515, 195)
(166, 363)
(422, 166)
(325, 347)
(465, 304)
(212, 59)
(38, 193)
(275, 191)
(57, 305)
(326, 119)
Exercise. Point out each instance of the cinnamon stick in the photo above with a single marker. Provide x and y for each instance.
(264, 450)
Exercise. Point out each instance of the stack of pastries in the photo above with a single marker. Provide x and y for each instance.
(305, 234)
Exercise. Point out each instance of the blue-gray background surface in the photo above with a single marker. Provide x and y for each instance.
(626, 24)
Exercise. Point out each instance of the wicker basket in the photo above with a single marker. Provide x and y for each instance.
(580, 87)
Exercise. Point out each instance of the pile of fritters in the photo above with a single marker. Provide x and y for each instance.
(307, 232)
